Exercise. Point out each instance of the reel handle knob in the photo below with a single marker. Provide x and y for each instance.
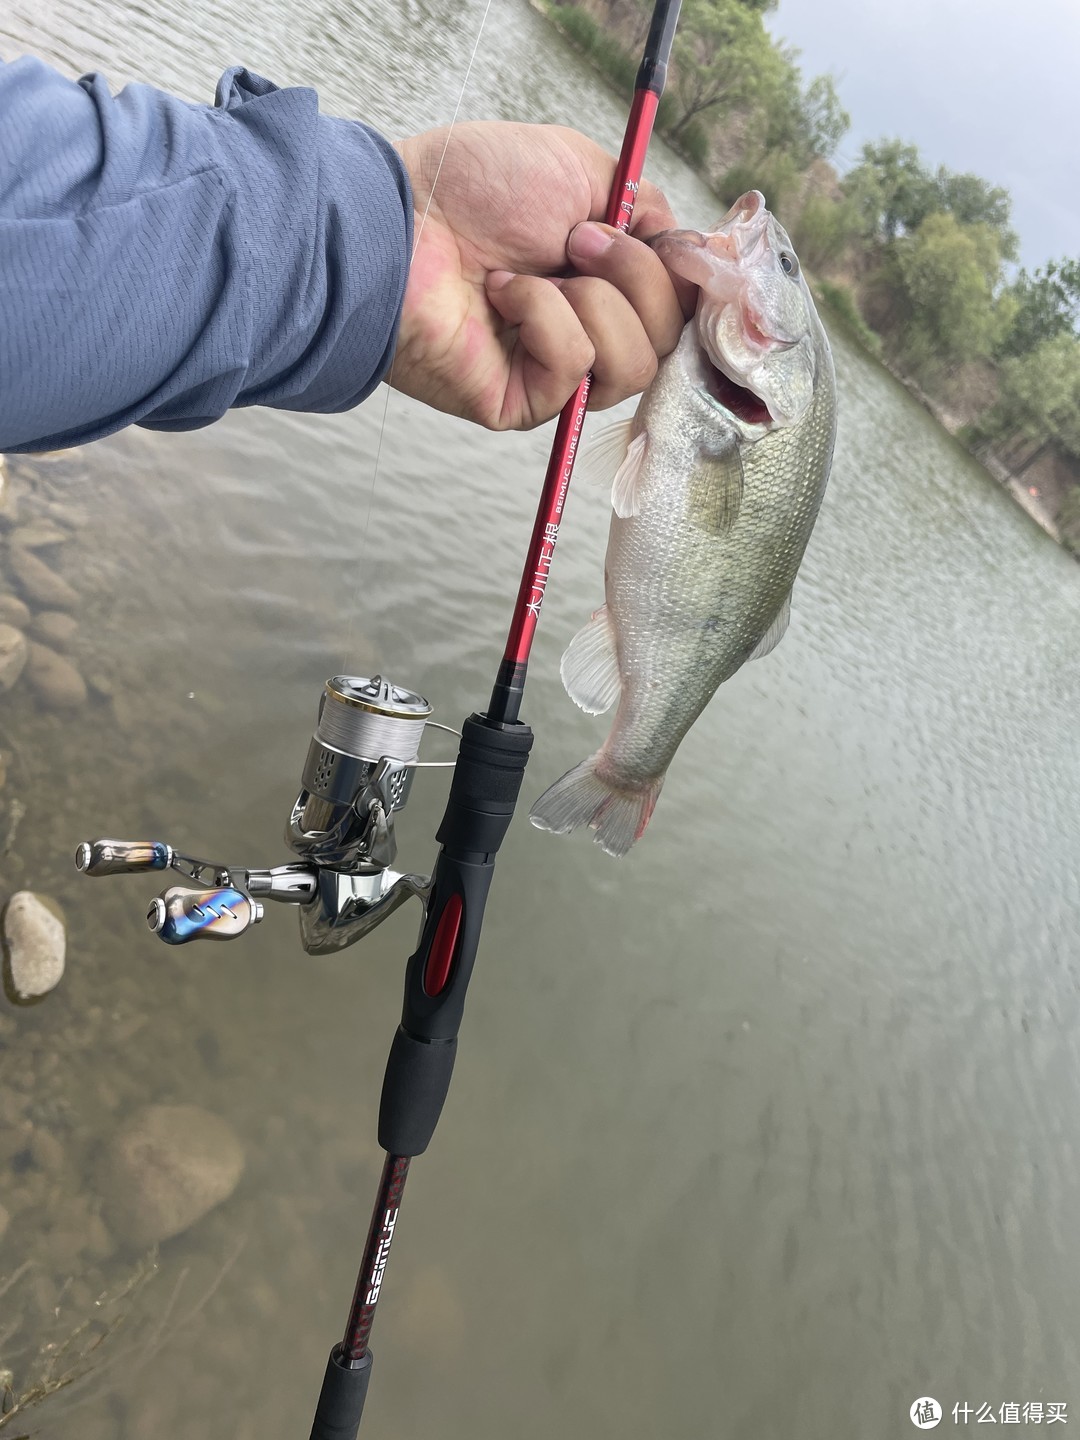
(122, 857)
(180, 915)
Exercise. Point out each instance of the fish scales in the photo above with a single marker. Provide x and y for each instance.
(723, 471)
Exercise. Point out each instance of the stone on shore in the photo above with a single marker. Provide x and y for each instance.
(14, 611)
(13, 653)
(39, 584)
(165, 1169)
(55, 679)
(34, 946)
(54, 628)
(38, 535)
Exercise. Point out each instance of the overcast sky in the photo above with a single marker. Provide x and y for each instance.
(989, 86)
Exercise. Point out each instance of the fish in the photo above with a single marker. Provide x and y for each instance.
(718, 479)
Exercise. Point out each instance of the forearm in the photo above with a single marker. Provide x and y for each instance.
(161, 262)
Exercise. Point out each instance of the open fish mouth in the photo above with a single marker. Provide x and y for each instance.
(736, 399)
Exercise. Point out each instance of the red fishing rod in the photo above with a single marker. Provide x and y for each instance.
(487, 778)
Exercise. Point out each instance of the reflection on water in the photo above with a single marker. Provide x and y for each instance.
(781, 1107)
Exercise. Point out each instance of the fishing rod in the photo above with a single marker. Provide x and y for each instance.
(360, 765)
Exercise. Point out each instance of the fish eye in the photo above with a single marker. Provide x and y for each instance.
(788, 263)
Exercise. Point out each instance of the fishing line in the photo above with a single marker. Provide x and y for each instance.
(353, 607)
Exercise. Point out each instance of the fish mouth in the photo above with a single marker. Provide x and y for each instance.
(734, 398)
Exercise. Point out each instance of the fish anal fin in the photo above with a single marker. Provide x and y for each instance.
(776, 631)
(590, 665)
(715, 491)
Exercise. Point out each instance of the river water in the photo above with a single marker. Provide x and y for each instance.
(763, 1132)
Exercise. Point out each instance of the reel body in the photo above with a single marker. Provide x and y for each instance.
(357, 776)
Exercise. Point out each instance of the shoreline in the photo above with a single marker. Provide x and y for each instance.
(994, 468)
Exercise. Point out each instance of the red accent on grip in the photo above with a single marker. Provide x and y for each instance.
(443, 946)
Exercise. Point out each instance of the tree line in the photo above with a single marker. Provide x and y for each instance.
(920, 262)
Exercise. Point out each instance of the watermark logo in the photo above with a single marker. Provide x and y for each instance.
(925, 1413)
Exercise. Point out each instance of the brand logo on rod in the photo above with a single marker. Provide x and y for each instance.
(381, 1255)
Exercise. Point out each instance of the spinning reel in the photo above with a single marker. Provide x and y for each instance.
(357, 776)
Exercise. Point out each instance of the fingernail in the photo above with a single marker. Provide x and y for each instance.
(589, 240)
(497, 279)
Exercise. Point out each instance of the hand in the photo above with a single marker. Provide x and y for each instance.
(483, 333)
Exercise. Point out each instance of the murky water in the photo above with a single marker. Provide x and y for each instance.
(762, 1132)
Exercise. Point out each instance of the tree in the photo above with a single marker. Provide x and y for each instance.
(806, 124)
(892, 189)
(722, 61)
(974, 201)
(896, 192)
(949, 273)
(1047, 304)
(1040, 394)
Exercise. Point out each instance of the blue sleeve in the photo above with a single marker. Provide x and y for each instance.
(161, 262)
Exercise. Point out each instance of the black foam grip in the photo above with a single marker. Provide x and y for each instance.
(487, 779)
(341, 1400)
(414, 1089)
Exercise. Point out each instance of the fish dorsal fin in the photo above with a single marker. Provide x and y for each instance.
(715, 491)
(776, 631)
(590, 665)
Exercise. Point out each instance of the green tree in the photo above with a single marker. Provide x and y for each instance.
(722, 61)
(892, 189)
(974, 201)
(1047, 304)
(806, 124)
(1040, 394)
(948, 273)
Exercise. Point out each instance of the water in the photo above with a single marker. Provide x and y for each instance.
(762, 1132)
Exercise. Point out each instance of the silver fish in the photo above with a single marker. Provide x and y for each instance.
(718, 482)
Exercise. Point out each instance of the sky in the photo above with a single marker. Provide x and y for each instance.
(988, 86)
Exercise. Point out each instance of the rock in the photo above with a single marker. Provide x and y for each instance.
(165, 1169)
(13, 653)
(54, 628)
(55, 680)
(38, 534)
(38, 583)
(14, 611)
(46, 1151)
(12, 492)
(34, 944)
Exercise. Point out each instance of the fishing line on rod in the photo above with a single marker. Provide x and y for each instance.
(353, 606)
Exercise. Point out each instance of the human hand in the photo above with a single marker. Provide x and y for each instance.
(483, 333)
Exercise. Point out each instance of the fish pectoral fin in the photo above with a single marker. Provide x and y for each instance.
(714, 494)
(590, 665)
(605, 452)
(776, 631)
(626, 487)
(617, 458)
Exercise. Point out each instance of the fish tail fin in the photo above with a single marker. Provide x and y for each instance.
(583, 797)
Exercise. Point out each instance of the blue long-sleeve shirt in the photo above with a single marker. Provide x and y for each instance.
(161, 261)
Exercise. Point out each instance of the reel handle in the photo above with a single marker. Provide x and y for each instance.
(179, 916)
(122, 857)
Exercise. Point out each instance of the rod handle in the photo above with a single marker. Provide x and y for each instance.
(341, 1399)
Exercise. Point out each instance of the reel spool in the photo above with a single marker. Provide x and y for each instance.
(358, 771)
